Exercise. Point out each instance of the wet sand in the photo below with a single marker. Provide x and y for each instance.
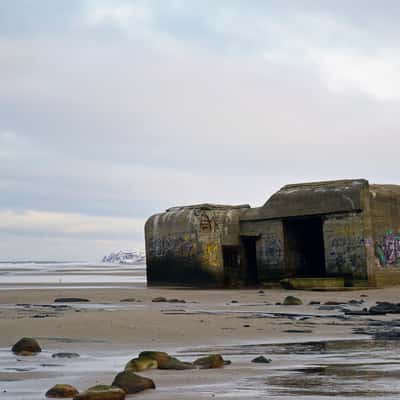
(239, 324)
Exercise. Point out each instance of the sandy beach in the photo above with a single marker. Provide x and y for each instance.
(239, 324)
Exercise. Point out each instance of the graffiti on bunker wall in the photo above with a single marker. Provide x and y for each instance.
(177, 246)
(345, 252)
(388, 251)
(272, 248)
(208, 222)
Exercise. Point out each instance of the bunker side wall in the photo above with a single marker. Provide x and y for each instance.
(184, 247)
(385, 221)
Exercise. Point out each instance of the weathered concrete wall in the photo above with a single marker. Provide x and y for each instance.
(269, 248)
(184, 245)
(314, 198)
(344, 245)
(385, 217)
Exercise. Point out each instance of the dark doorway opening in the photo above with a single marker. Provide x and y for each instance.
(304, 247)
(250, 258)
(230, 256)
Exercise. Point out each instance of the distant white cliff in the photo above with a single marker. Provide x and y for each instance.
(125, 257)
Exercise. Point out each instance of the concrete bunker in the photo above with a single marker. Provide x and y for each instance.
(320, 234)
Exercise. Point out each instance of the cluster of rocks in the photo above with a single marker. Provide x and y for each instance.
(127, 381)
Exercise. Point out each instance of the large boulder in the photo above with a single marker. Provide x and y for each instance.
(26, 347)
(292, 301)
(211, 361)
(141, 364)
(132, 383)
(101, 392)
(61, 391)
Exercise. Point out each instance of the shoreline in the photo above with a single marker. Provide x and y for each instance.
(239, 324)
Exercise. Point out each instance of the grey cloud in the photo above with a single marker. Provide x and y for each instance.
(222, 103)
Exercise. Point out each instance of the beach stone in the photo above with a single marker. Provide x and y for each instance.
(26, 347)
(211, 361)
(132, 383)
(61, 391)
(176, 301)
(161, 357)
(141, 364)
(128, 300)
(175, 364)
(159, 300)
(261, 360)
(100, 387)
(101, 392)
(71, 300)
(65, 355)
(164, 360)
(292, 301)
(314, 303)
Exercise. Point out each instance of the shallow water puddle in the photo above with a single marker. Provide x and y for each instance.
(345, 369)
(356, 369)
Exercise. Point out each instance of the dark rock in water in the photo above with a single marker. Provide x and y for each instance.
(102, 392)
(71, 300)
(278, 303)
(176, 301)
(128, 300)
(234, 301)
(292, 301)
(314, 303)
(330, 308)
(26, 347)
(363, 295)
(385, 307)
(51, 365)
(357, 312)
(261, 291)
(61, 391)
(141, 364)
(261, 360)
(298, 331)
(334, 303)
(65, 355)
(356, 302)
(132, 383)
(159, 300)
(208, 362)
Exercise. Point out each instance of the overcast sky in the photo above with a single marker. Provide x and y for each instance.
(111, 111)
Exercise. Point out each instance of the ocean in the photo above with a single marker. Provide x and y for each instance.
(68, 275)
